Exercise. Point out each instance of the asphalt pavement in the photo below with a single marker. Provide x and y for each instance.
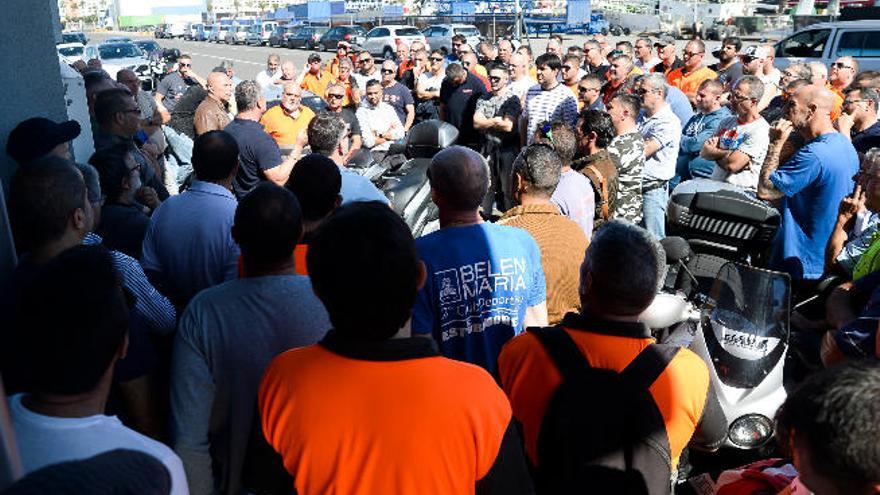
(249, 60)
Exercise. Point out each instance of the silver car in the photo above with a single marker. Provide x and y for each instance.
(440, 35)
(383, 40)
(117, 56)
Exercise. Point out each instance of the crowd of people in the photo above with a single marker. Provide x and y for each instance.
(220, 289)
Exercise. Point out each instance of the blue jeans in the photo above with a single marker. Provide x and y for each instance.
(182, 146)
(654, 211)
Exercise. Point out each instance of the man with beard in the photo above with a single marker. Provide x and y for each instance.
(287, 122)
(728, 68)
(692, 73)
(702, 126)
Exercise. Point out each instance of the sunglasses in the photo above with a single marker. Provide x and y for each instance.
(187, 65)
(387, 71)
(841, 66)
(364, 60)
(436, 59)
(333, 96)
(584, 90)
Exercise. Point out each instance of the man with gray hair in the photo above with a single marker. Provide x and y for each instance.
(740, 145)
(594, 60)
(645, 59)
(858, 122)
(485, 282)
(268, 79)
(661, 130)
(260, 157)
(536, 174)
(328, 136)
(607, 334)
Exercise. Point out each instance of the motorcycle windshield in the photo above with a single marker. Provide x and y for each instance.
(745, 323)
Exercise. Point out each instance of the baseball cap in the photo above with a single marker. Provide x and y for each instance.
(314, 57)
(36, 137)
(755, 51)
(665, 40)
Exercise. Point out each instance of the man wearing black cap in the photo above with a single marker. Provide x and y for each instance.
(37, 137)
(313, 79)
(665, 46)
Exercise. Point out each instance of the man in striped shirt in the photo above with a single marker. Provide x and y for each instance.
(549, 101)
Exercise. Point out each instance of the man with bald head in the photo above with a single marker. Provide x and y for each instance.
(485, 282)
(818, 175)
(212, 113)
(505, 51)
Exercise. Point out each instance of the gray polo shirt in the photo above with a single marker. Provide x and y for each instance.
(665, 128)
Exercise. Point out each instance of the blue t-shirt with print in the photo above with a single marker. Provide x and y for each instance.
(814, 181)
(481, 279)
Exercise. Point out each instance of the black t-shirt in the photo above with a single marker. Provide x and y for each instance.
(351, 121)
(728, 75)
(184, 113)
(460, 104)
(173, 87)
(867, 139)
(257, 152)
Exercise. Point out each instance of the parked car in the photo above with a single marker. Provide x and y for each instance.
(236, 35)
(307, 37)
(440, 36)
(349, 34)
(218, 33)
(192, 30)
(117, 56)
(76, 37)
(204, 32)
(280, 34)
(149, 47)
(827, 41)
(71, 51)
(383, 40)
(265, 29)
(177, 30)
(117, 39)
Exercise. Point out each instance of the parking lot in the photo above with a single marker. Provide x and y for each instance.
(249, 60)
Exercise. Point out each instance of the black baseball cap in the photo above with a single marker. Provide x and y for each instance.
(36, 137)
(314, 57)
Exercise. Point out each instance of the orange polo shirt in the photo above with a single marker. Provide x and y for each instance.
(689, 83)
(362, 418)
(529, 377)
(838, 101)
(317, 84)
(282, 127)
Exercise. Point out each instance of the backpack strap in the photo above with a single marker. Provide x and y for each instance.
(644, 370)
(562, 350)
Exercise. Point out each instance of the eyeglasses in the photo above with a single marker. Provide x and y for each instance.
(436, 59)
(692, 54)
(387, 71)
(334, 96)
(840, 65)
(190, 65)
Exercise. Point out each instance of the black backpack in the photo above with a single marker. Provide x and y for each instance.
(602, 431)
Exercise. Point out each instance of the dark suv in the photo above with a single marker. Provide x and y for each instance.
(349, 34)
(306, 37)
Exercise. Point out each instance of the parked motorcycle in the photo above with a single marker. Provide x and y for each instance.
(405, 182)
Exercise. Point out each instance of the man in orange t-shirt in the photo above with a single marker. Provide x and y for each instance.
(692, 73)
(609, 334)
(285, 122)
(371, 409)
(314, 79)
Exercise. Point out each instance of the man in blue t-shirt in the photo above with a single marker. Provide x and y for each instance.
(485, 282)
(809, 184)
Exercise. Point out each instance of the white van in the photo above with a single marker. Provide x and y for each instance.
(827, 41)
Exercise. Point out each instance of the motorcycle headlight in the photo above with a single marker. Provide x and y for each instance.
(751, 431)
